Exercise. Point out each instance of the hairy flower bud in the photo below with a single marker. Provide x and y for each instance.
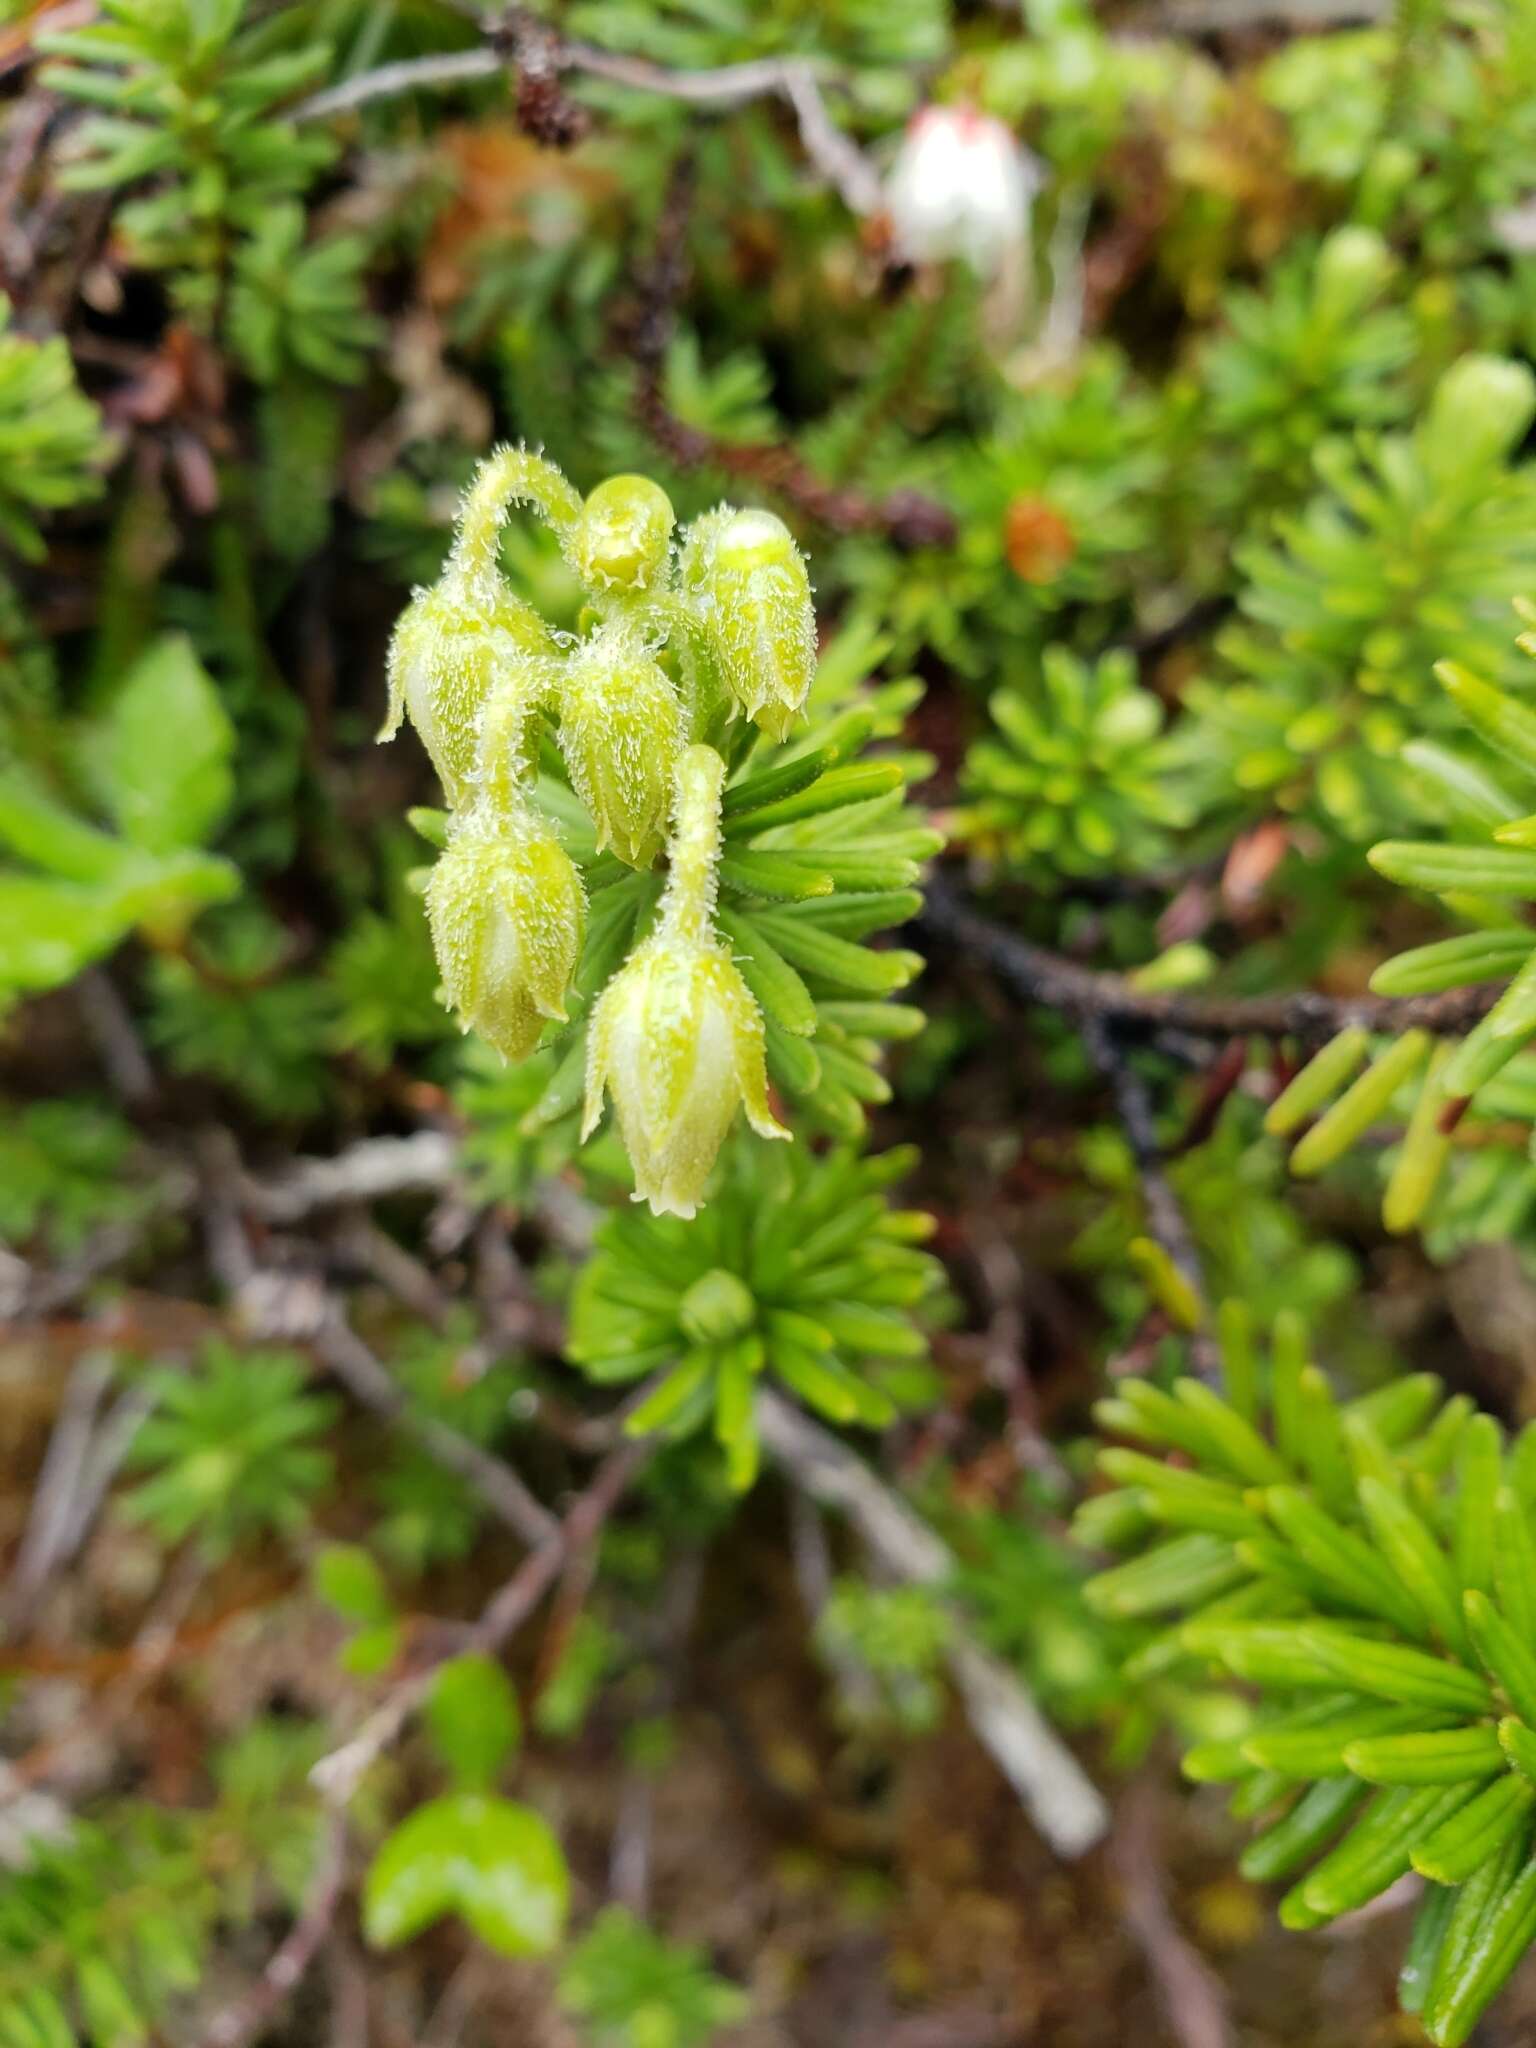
(451, 647)
(677, 1038)
(1480, 408)
(1353, 264)
(620, 732)
(717, 1307)
(507, 915)
(623, 535)
(760, 618)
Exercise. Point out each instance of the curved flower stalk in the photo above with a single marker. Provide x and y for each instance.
(686, 727)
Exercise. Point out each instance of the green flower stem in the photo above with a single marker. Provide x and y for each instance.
(688, 903)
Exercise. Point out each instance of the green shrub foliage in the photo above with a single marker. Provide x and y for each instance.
(440, 1184)
(1368, 1567)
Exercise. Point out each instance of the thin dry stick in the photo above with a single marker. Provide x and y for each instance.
(797, 81)
(268, 1311)
(366, 1172)
(53, 1498)
(152, 1651)
(291, 1959)
(337, 1776)
(107, 1019)
(364, 1375)
(1056, 1792)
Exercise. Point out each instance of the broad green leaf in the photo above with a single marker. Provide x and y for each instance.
(39, 828)
(50, 930)
(473, 1717)
(493, 1862)
(347, 1578)
(160, 754)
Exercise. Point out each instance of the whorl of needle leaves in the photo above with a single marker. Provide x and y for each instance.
(1075, 778)
(51, 440)
(1411, 550)
(1370, 1567)
(799, 1268)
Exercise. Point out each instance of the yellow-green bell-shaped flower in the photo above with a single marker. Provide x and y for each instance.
(677, 1038)
(623, 537)
(507, 916)
(452, 647)
(620, 734)
(759, 614)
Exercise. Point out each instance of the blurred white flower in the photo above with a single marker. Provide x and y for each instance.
(961, 185)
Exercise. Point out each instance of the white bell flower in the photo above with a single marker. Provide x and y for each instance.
(962, 186)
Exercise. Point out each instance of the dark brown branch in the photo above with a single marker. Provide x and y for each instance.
(1188, 1990)
(538, 57)
(907, 518)
(1166, 1222)
(1033, 974)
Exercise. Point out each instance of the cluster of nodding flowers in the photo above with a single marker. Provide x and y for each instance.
(680, 642)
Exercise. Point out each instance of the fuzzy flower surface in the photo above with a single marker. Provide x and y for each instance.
(677, 1039)
(660, 853)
